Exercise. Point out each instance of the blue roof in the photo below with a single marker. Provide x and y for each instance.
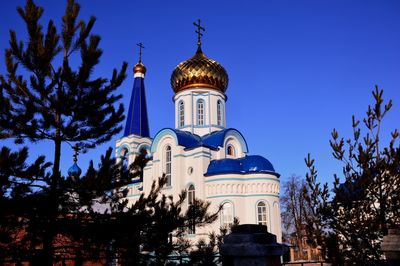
(213, 140)
(216, 139)
(137, 122)
(245, 165)
(187, 139)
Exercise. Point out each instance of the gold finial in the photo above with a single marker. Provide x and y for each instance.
(141, 46)
(199, 34)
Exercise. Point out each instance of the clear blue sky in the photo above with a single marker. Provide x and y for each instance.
(297, 69)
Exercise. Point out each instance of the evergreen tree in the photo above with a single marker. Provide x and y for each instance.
(55, 102)
(16, 178)
(367, 202)
(82, 217)
(206, 253)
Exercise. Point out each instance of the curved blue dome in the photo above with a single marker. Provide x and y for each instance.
(244, 165)
(224, 166)
(257, 163)
(74, 171)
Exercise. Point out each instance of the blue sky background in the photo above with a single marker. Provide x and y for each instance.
(297, 69)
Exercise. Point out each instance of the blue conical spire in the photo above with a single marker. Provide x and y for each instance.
(137, 122)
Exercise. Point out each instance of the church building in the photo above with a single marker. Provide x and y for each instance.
(200, 154)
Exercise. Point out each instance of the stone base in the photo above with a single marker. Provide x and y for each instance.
(251, 245)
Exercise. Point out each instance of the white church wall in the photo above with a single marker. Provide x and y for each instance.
(245, 191)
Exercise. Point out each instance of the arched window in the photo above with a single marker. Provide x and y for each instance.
(227, 215)
(200, 112)
(262, 213)
(191, 199)
(145, 150)
(124, 158)
(219, 113)
(181, 107)
(191, 194)
(168, 164)
(230, 150)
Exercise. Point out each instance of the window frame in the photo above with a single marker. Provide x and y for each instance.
(219, 113)
(262, 213)
(230, 150)
(124, 156)
(168, 164)
(200, 112)
(181, 113)
(227, 219)
(191, 195)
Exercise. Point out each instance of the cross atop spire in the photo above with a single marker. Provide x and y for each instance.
(199, 33)
(74, 171)
(141, 46)
(76, 152)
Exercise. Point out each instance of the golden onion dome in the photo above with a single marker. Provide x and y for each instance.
(199, 72)
(139, 68)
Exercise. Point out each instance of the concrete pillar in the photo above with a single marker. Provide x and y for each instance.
(391, 247)
(251, 245)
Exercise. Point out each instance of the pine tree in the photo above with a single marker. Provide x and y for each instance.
(55, 102)
(83, 217)
(14, 190)
(366, 199)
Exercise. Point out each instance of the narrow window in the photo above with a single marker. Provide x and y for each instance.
(168, 164)
(230, 150)
(262, 213)
(191, 199)
(181, 114)
(191, 195)
(200, 112)
(227, 215)
(219, 113)
(124, 159)
(123, 163)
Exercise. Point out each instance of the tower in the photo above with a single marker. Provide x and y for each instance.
(199, 84)
(137, 134)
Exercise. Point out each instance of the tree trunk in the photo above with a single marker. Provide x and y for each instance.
(49, 235)
(57, 150)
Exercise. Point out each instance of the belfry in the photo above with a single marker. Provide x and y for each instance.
(200, 154)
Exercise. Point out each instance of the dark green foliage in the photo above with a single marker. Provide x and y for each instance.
(50, 93)
(206, 253)
(18, 180)
(366, 196)
(53, 102)
(93, 218)
(44, 98)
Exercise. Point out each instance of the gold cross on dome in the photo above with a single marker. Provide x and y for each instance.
(141, 46)
(198, 31)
